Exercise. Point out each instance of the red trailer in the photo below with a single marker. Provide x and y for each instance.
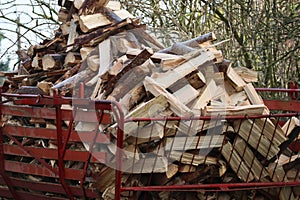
(47, 171)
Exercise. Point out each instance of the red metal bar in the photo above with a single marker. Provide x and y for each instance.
(214, 187)
(283, 105)
(44, 133)
(48, 113)
(33, 169)
(28, 195)
(118, 112)
(61, 150)
(292, 90)
(50, 187)
(2, 159)
(72, 155)
(293, 85)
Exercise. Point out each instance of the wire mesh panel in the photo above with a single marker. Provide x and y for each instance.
(52, 147)
(250, 156)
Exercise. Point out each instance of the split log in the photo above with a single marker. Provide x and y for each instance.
(236, 81)
(176, 106)
(257, 169)
(236, 162)
(253, 96)
(72, 58)
(45, 86)
(52, 61)
(114, 5)
(170, 77)
(180, 49)
(205, 96)
(101, 34)
(195, 142)
(65, 28)
(195, 42)
(138, 60)
(105, 56)
(37, 63)
(191, 159)
(78, 4)
(90, 22)
(233, 110)
(186, 94)
(73, 34)
(85, 51)
(151, 108)
(93, 62)
(290, 125)
(130, 80)
(252, 134)
(248, 75)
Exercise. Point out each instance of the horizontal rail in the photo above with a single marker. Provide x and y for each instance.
(46, 153)
(51, 187)
(49, 113)
(39, 170)
(46, 133)
(213, 187)
(277, 90)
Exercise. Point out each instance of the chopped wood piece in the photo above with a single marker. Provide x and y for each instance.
(151, 108)
(73, 34)
(85, 51)
(195, 42)
(251, 133)
(186, 94)
(248, 75)
(93, 62)
(105, 57)
(257, 169)
(180, 49)
(290, 125)
(172, 170)
(205, 96)
(78, 3)
(253, 96)
(195, 142)
(131, 79)
(114, 5)
(123, 14)
(45, 86)
(138, 60)
(191, 159)
(72, 58)
(37, 63)
(236, 162)
(90, 22)
(236, 81)
(63, 14)
(52, 61)
(176, 106)
(234, 110)
(170, 77)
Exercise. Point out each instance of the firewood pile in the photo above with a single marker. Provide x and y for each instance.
(106, 49)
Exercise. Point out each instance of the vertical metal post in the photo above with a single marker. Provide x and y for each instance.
(2, 158)
(60, 149)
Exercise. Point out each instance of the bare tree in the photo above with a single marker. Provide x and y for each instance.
(264, 35)
(24, 23)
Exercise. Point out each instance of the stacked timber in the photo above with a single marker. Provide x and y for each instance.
(105, 48)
